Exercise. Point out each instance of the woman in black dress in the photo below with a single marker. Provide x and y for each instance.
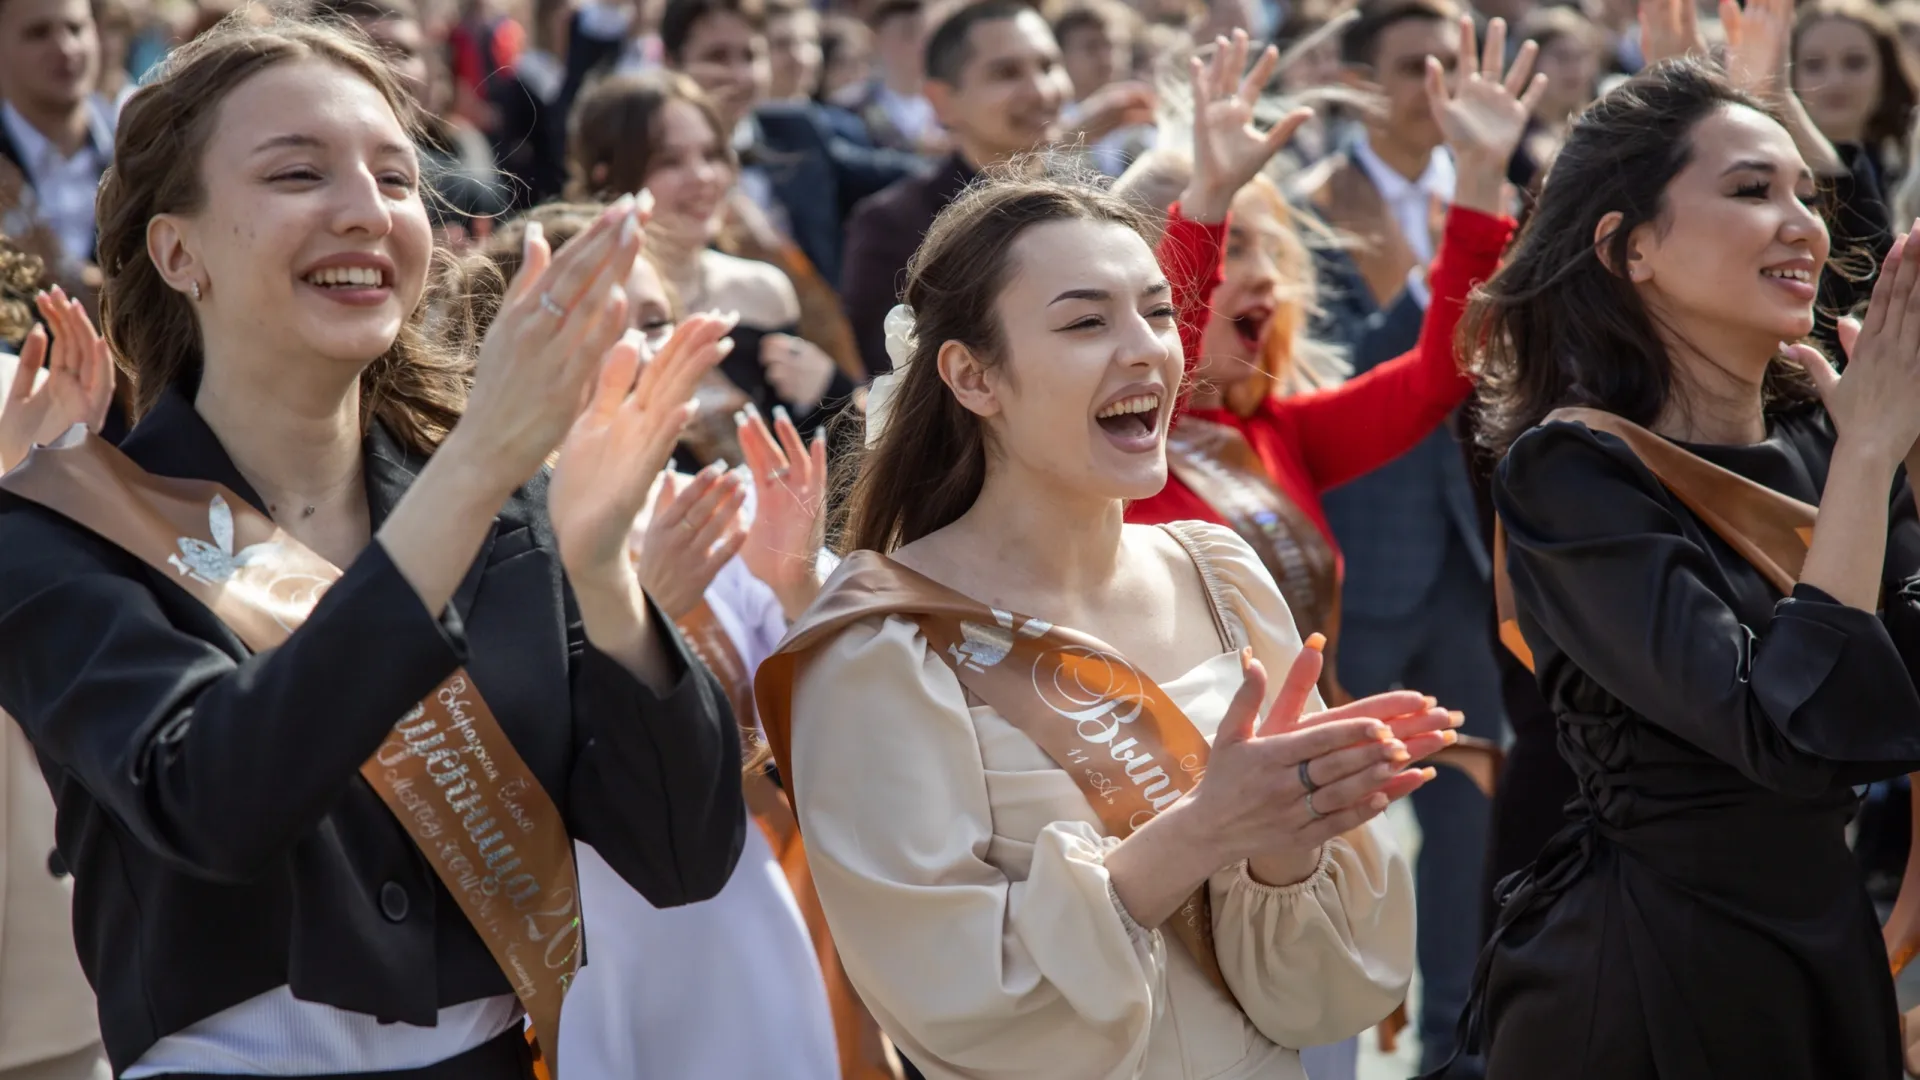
(245, 901)
(1702, 917)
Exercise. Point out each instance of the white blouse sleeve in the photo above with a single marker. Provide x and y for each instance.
(970, 973)
(1317, 961)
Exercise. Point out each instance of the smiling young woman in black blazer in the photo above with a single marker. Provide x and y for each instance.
(245, 903)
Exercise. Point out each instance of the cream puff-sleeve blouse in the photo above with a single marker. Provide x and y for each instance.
(962, 876)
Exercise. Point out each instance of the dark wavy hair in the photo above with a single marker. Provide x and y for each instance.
(1555, 326)
(931, 460)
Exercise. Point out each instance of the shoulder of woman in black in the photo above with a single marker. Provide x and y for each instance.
(1628, 601)
(198, 778)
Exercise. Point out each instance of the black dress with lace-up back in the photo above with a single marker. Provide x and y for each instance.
(1703, 916)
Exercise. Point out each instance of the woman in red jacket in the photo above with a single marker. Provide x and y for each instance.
(1244, 454)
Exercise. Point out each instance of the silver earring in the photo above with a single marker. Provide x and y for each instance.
(196, 291)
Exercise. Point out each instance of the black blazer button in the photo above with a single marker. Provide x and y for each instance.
(56, 865)
(393, 901)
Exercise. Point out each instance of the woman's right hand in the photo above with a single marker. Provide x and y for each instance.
(1482, 113)
(694, 529)
(1875, 407)
(1252, 799)
(538, 362)
(1228, 151)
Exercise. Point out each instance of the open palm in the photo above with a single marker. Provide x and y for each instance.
(1759, 38)
(78, 386)
(1484, 113)
(1228, 150)
(790, 486)
(623, 439)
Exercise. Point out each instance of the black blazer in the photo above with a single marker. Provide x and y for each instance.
(819, 176)
(209, 803)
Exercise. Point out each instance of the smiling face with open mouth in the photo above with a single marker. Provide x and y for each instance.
(1266, 268)
(1087, 327)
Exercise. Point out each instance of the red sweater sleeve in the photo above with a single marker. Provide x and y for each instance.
(1357, 427)
(1193, 255)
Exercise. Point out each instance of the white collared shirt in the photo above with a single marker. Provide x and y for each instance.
(63, 186)
(1408, 200)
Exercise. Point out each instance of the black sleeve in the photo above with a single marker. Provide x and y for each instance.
(1604, 574)
(215, 764)
(1900, 604)
(864, 170)
(656, 777)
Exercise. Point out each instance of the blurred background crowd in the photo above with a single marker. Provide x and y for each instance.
(797, 153)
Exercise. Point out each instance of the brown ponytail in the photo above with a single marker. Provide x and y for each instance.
(416, 389)
(931, 460)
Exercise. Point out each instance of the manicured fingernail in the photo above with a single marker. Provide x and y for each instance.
(1429, 701)
(724, 347)
(1456, 718)
(752, 410)
(1316, 641)
(644, 204)
(1449, 736)
(1428, 773)
(714, 468)
(780, 415)
(534, 234)
(623, 204)
(1397, 752)
(740, 418)
(630, 230)
(1379, 732)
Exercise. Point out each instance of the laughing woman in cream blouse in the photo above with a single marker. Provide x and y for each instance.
(994, 922)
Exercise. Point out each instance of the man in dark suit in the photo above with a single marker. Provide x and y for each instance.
(55, 140)
(794, 167)
(1418, 595)
(996, 84)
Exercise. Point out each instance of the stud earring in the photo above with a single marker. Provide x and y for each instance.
(196, 291)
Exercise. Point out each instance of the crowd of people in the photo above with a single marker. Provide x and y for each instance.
(548, 539)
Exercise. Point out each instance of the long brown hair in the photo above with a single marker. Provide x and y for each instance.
(931, 460)
(615, 131)
(1555, 326)
(1899, 87)
(415, 389)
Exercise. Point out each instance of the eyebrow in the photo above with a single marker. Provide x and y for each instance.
(1155, 289)
(1759, 166)
(311, 142)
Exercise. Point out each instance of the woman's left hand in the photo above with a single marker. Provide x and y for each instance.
(1759, 40)
(790, 486)
(1228, 151)
(621, 441)
(1483, 114)
(797, 369)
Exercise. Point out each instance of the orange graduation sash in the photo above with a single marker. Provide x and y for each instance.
(446, 770)
(1128, 747)
(863, 1053)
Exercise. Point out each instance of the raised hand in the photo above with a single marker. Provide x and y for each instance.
(1253, 797)
(1877, 404)
(1228, 151)
(1484, 113)
(1114, 106)
(1759, 41)
(790, 487)
(1670, 29)
(556, 324)
(622, 440)
(78, 386)
(694, 529)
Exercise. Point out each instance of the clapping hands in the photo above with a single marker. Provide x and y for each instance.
(790, 487)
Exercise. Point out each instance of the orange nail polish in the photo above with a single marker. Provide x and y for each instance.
(1317, 642)
(1430, 701)
(1456, 717)
(1450, 737)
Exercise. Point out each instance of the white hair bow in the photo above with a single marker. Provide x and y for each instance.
(900, 346)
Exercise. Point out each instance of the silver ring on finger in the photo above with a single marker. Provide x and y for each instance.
(1317, 815)
(547, 305)
(1306, 777)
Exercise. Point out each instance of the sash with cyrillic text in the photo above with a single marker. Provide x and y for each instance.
(1127, 746)
(446, 769)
